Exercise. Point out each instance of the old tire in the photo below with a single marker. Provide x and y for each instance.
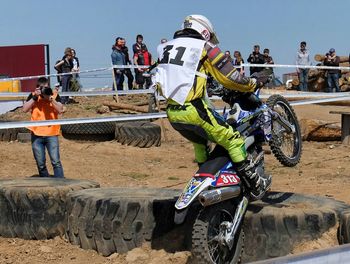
(24, 137)
(112, 220)
(11, 134)
(102, 131)
(280, 221)
(138, 134)
(35, 208)
(344, 228)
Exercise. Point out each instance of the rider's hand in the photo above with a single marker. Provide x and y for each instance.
(262, 77)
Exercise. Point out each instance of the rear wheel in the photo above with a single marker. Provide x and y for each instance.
(286, 147)
(206, 244)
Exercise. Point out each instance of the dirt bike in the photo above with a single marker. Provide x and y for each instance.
(217, 233)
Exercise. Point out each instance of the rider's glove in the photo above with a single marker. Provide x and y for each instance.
(262, 77)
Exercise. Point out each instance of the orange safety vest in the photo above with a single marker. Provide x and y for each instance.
(44, 110)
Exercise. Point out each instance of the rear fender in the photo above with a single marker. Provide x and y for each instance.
(193, 188)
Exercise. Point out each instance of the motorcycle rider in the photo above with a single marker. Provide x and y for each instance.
(184, 64)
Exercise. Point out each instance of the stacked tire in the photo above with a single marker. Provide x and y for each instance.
(11, 134)
(112, 220)
(102, 131)
(138, 134)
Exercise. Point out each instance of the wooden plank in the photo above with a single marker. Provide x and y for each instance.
(340, 112)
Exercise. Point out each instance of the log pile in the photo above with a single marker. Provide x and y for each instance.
(317, 80)
(318, 130)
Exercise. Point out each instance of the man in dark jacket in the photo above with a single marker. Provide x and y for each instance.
(256, 58)
(127, 72)
(331, 59)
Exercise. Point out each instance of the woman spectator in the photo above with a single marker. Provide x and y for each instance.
(237, 61)
(66, 66)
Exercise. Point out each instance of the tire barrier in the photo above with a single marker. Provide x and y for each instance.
(11, 134)
(138, 134)
(112, 220)
(280, 221)
(35, 208)
(24, 137)
(119, 219)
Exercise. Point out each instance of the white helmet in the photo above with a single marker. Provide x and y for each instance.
(202, 25)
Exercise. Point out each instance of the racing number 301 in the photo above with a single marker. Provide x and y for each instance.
(177, 60)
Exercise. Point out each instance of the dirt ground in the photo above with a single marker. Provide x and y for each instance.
(323, 170)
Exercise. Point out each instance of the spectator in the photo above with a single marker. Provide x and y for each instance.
(75, 81)
(127, 71)
(303, 58)
(331, 59)
(237, 61)
(267, 58)
(227, 53)
(141, 57)
(256, 58)
(118, 58)
(65, 66)
(45, 104)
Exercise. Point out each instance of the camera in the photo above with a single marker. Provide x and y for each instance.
(46, 91)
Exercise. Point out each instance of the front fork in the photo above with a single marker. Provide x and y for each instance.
(228, 229)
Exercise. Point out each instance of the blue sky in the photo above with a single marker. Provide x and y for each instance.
(91, 26)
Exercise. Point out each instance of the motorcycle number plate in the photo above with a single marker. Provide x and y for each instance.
(226, 178)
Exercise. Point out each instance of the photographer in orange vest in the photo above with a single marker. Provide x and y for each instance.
(45, 104)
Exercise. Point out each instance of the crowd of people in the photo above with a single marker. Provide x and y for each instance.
(142, 57)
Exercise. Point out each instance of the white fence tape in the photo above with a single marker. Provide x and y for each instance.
(140, 66)
(119, 118)
(295, 66)
(76, 72)
(96, 93)
(17, 124)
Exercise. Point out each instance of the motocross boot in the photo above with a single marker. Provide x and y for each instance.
(258, 184)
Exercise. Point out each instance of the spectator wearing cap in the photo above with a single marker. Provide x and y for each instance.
(118, 58)
(303, 58)
(331, 59)
(256, 58)
(142, 57)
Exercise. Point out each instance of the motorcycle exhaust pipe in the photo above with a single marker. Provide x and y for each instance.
(210, 197)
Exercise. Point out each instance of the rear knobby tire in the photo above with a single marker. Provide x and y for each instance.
(277, 140)
(203, 228)
(35, 208)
